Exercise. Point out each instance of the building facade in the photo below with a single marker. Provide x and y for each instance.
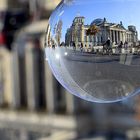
(115, 32)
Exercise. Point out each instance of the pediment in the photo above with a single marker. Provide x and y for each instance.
(117, 26)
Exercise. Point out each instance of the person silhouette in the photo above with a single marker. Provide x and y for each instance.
(81, 48)
(74, 46)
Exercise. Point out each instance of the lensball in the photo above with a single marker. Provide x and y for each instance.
(93, 48)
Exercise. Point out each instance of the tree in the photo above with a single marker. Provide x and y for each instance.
(58, 31)
(93, 30)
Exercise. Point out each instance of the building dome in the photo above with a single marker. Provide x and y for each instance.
(132, 28)
(97, 21)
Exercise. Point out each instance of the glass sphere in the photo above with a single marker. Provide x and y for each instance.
(93, 48)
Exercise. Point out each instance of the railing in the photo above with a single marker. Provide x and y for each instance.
(26, 82)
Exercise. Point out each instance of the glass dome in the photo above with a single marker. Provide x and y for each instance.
(97, 22)
(93, 48)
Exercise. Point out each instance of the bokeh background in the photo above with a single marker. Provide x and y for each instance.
(33, 105)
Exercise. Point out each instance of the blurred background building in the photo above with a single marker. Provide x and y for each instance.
(33, 105)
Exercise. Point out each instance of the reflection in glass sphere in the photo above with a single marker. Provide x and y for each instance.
(93, 48)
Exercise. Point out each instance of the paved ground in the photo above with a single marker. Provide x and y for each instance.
(103, 76)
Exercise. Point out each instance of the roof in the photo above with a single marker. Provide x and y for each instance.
(100, 21)
(117, 26)
(97, 21)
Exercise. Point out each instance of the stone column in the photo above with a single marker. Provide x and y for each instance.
(82, 34)
(110, 35)
(120, 35)
(114, 37)
(93, 41)
(123, 36)
(117, 37)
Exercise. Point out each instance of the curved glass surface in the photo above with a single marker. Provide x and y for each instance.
(93, 48)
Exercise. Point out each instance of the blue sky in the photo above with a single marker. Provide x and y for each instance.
(115, 11)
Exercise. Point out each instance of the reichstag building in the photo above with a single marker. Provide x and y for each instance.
(115, 32)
